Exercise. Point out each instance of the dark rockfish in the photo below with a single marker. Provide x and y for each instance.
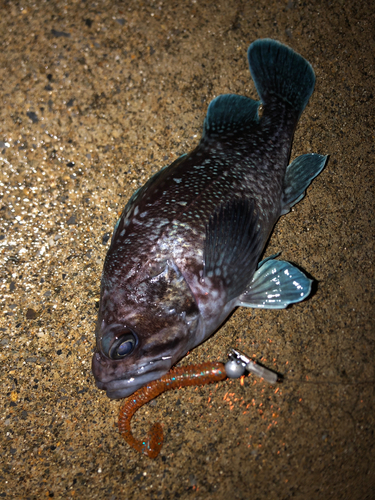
(185, 250)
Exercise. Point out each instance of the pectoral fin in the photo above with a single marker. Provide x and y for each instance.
(233, 245)
(275, 285)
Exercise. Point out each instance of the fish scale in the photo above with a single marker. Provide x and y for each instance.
(186, 249)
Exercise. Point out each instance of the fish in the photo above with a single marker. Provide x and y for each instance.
(186, 249)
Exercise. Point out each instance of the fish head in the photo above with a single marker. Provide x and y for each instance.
(144, 327)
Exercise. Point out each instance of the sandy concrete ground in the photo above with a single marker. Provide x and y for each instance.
(94, 98)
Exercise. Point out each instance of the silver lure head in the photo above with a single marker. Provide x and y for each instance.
(142, 330)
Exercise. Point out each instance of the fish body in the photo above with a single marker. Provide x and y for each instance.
(186, 248)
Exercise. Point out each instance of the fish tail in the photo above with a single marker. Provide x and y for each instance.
(279, 72)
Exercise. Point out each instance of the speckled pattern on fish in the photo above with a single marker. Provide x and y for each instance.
(185, 250)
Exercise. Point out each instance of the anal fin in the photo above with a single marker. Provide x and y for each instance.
(299, 175)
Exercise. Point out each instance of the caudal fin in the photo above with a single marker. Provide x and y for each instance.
(280, 72)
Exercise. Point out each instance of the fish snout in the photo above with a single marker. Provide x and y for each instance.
(99, 366)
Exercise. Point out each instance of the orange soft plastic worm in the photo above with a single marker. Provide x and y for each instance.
(206, 373)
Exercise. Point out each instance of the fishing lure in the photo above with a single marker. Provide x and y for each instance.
(205, 373)
(191, 375)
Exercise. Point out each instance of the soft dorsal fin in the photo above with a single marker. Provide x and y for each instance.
(232, 245)
(230, 113)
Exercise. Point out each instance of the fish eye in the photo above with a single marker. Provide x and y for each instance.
(122, 345)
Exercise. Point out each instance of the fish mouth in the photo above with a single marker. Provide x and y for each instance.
(122, 388)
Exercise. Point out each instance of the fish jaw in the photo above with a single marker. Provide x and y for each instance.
(154, 355)
(117, 388)
(141, 334)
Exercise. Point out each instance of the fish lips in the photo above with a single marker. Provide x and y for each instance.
(122, 388)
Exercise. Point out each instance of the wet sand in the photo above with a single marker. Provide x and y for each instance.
(94, 99)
